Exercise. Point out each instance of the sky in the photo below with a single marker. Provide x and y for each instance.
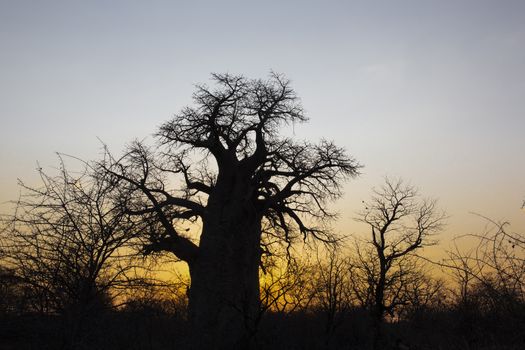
(429, 91)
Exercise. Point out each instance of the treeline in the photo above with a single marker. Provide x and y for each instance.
(77, 274)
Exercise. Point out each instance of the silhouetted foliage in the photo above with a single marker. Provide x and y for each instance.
(384, 272)
(287, 285)
(65, 246)
(12, 292)
(490, 278)
(332, 292)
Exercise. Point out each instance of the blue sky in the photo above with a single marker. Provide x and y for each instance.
(430, 91)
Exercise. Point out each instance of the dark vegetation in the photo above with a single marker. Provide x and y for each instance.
(82, 255)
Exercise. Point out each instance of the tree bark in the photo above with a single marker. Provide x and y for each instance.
(224, 293)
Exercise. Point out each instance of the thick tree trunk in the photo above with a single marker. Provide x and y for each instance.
(224, 293)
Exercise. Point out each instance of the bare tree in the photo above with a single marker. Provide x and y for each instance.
(401, 223)
(287, 285)
(65, 240)
(285, 273)
(489, 270)
(420, 292)
(494, 263)
(224, 163)
(332, 293)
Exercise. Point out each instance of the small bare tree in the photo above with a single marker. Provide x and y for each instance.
(489, 270)
(332, 296)
(401, 223)
(286, 285)
(495, 263)
(65, 240)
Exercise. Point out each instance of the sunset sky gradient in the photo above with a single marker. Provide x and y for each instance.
(430, 91)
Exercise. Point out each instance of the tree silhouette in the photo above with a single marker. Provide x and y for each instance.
(494, 265)
(287, 286)
(401, 223)
(333, 290)
(224, 163)
(64, 236)
(65, 244)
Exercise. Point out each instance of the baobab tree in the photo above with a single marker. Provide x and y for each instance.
(224, 163)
